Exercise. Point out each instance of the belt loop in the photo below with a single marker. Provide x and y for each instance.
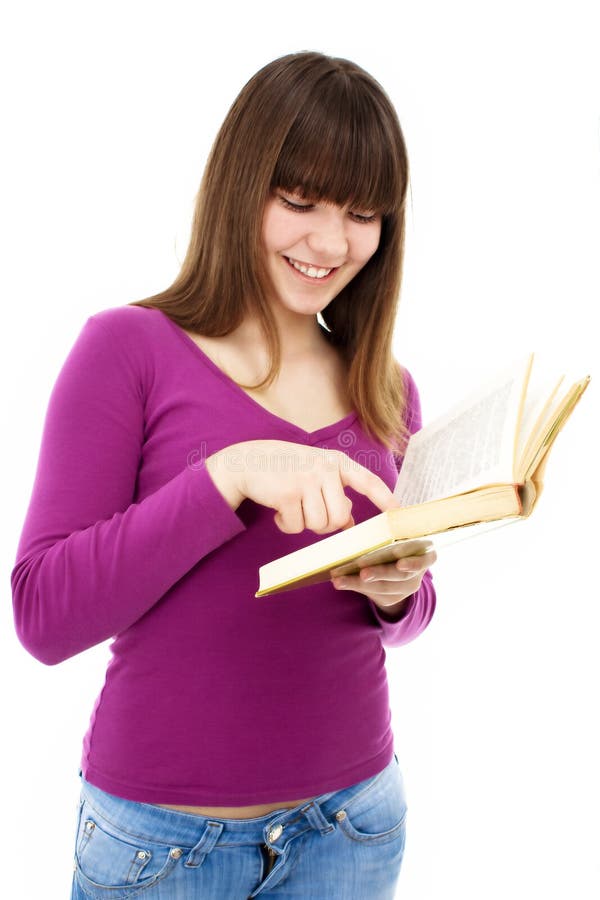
(316, 818)
(211, 835)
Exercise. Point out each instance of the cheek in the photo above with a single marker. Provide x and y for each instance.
(367, 246)
(278, 230)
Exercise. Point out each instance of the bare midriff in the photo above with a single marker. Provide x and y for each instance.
(236, 812)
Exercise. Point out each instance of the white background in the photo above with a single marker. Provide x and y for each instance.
(109, 111)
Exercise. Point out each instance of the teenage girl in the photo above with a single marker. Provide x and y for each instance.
(240, 747)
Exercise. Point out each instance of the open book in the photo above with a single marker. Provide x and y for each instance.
(479, 466)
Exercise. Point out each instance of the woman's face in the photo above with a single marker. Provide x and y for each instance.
(318, 237)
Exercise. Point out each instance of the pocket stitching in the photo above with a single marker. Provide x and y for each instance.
(126, 889)
(364, 837)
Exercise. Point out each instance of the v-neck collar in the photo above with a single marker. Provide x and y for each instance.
(307, 436)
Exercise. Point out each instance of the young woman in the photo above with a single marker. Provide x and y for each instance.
(240, 747)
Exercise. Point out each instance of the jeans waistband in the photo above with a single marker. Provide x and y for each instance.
(200, 833)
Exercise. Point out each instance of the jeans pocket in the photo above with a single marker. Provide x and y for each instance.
(377, 816)
(112, 863)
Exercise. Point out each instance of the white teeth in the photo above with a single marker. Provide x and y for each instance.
(310, 270)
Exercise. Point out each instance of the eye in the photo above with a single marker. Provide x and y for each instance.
(366, 219)
(296, 206)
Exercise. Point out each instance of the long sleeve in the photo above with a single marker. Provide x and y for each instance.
(420, 606)
(90, 561)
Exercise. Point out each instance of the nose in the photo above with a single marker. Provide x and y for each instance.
(328, 240)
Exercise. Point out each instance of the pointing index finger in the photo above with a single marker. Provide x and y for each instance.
(371, 485)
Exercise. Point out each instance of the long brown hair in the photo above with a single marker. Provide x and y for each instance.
(323, 125)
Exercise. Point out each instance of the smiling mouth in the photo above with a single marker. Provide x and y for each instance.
(311, 272)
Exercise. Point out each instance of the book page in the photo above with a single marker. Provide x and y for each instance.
(471, 446)
(542, 399)
(558, 411)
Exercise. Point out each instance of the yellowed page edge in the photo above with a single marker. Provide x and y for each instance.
(519, 420)
(567, 405)
(537, 429)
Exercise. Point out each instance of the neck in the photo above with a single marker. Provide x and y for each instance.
(299, 338)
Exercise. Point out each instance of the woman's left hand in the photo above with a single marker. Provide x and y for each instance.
(389, 584)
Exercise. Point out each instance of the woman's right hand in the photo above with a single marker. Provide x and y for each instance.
(304, 484)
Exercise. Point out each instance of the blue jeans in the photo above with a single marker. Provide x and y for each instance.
(345, 845)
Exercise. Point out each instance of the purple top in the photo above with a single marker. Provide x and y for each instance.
(212, 696)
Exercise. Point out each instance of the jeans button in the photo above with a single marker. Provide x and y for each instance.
(275, 832)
